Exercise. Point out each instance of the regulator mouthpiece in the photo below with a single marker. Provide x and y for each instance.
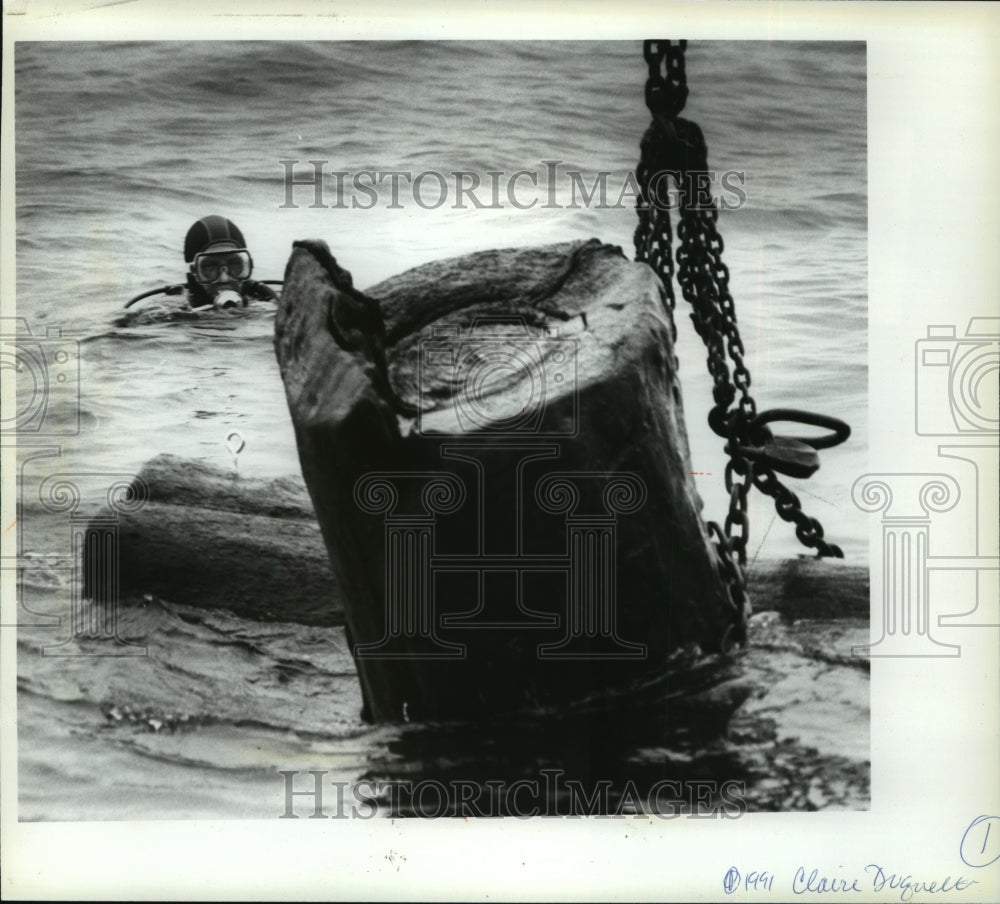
(227, 298)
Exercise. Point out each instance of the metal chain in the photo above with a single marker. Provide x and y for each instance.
(666, 85)
(676, 145)
(653, 239)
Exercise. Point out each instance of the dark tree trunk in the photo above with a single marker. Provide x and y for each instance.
(497, 457)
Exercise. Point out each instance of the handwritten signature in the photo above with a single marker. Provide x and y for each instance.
(876, 878)
(979, 847)
(880, 880)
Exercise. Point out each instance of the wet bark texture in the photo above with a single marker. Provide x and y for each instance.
(510, 404)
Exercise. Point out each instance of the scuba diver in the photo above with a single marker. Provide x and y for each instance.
(219, 268)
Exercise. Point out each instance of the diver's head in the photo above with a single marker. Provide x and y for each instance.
(218, 258)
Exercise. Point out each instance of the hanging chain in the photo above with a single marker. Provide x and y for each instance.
(675, 148)
(665, 97)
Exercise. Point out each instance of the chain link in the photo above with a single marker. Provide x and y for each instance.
(666, 86)
(676, 145)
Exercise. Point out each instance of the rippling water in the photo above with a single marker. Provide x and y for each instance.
(120, 147)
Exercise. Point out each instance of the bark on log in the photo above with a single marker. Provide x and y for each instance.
(810, 588)
(254, 547)
(207, 538)
(583, 383)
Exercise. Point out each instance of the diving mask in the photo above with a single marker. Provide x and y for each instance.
(208, 268)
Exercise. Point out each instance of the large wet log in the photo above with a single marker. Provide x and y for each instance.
(498, 461)
(208, 538)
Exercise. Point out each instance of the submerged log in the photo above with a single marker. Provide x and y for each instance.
(210, 539)
(498, 461)
(207, 538)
